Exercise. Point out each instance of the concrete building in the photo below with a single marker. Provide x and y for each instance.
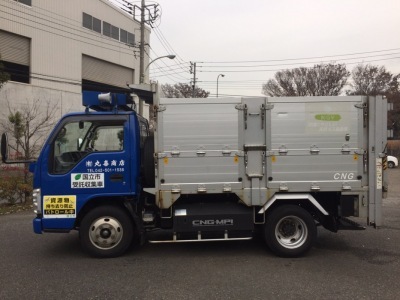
(55, 49)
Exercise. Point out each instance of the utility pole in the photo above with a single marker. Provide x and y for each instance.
(193, 71)
(141, 67)
(148, 15)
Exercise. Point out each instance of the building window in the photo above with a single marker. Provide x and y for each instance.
(123, 36)
(17, 72)
(92, 23)
(115, 32)
(131, 39)
(87, 21)
(15, 56)
(107, 29)
(96, 25)
(26, 2)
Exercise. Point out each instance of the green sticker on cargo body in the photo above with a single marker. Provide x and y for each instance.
(328, 117)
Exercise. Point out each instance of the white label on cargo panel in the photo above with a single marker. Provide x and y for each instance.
(379, 173)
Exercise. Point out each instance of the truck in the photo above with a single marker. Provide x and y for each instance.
(218, 169)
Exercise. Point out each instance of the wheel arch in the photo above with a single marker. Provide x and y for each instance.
(121, 202)
(305, 200)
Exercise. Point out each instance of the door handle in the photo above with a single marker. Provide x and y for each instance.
(116, 177)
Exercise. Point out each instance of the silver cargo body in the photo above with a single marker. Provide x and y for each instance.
(258, 147)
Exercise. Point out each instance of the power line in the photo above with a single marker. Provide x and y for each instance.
(13, 71)
(304, 58)
(172, 72)
(161, 38)
(161, 68)
(300, 63)
(171, 76)
(51, 13)
(168, 48)
(275, 70)
(168, 67)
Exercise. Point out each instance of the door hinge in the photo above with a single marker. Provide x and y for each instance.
(244, 108)
(360, 105)
(160, 155)
(160, 108)
(359, 151)
(364, 107)
(268, 106)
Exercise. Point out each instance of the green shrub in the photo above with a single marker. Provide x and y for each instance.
(13, 189)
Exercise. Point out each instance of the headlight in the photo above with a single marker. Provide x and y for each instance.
(37, 201)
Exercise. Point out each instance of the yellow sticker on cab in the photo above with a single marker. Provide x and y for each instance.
(59, 206)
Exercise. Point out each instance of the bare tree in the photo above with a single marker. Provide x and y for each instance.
(29, 125)
(376, 80)
(370, 80)
(320, 80)
(183, 90)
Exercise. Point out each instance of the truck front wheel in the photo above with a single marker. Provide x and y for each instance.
(289, 231)
(106, 231)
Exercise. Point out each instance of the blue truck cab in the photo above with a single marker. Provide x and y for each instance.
(91, 159)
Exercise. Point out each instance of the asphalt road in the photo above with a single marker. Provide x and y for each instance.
(346, 265)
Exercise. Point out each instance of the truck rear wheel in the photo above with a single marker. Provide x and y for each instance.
(290, 231)
(106, 231)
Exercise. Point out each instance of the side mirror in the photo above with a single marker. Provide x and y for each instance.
(4, 147)
(4, 152)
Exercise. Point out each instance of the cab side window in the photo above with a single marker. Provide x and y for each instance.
(107, 138)
(78, 139)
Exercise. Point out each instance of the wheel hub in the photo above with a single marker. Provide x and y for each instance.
(288, 228)
(105, 233)
(291, 232)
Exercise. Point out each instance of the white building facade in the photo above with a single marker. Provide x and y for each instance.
(54, 50)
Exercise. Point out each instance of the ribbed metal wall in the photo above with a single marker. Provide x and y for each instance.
(14, 48)
(97, 70)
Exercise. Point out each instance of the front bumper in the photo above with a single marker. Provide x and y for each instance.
(37, 225)
(41, 225)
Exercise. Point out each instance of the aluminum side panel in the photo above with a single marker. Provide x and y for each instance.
(197, 141)
(316, 141)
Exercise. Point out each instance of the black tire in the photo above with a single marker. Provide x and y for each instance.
(391, 165)
(106, 231)
(289, 231)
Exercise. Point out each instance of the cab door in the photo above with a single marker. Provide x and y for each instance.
(89, 156)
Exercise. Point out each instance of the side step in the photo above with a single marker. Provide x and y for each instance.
(347, 224)
(200, 239)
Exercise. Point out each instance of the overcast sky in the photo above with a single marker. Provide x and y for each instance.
(249, 40)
